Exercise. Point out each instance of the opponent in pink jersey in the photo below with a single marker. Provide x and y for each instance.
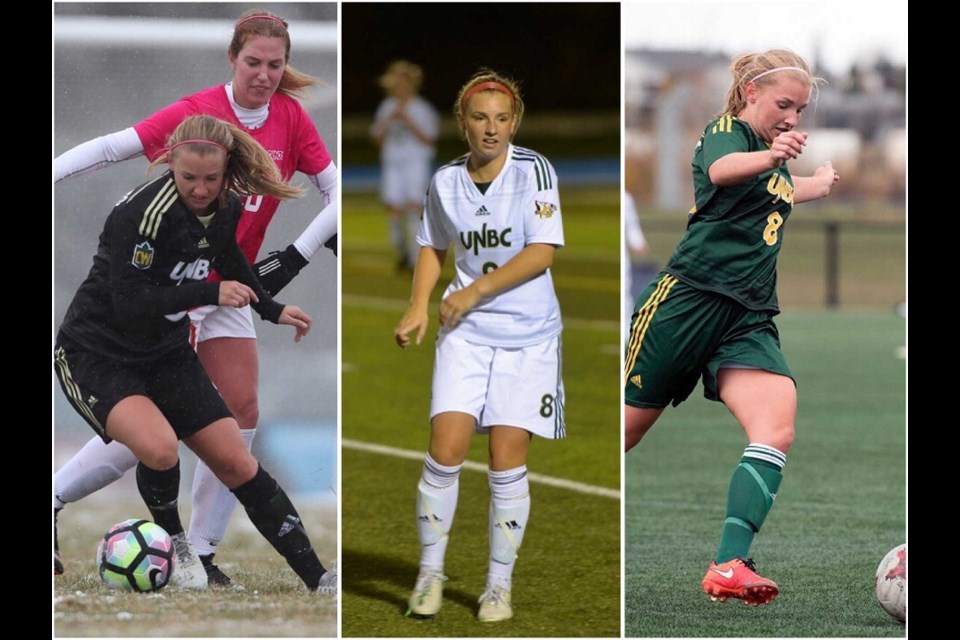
(259, 99)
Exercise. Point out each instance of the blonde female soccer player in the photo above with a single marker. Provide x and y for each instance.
(710, 311)
(497, 365)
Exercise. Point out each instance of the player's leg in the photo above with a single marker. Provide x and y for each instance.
(221, 446)
(460, 372)
(509, 513)
(636, 422)
(437, 493)
(139, 424)
(392, 195)
(750, 375)
(227, 348)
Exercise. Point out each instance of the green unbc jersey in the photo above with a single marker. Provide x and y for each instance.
(734, 233)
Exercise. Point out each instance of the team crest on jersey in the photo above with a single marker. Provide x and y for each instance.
(142, 255)
(545, 209)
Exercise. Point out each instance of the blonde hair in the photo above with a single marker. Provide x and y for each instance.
(484, 75)
(397, 68)
(249, 168)
(771, 65)
(257, 22)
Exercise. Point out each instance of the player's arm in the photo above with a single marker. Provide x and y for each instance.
(425, 276)
(134, 289)
(245, 287)
(816, 186)
(422, 127)
(97, 153)
(280, 267)
(734, 168)
(533, 260)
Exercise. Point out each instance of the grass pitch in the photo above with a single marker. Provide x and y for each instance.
(272, 602)
(567, 580)
(840, 509)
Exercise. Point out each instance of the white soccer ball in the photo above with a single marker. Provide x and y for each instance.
(890, 583)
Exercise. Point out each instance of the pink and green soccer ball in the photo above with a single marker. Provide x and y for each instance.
(136, 555)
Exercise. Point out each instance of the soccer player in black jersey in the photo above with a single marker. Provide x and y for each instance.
(123, 356)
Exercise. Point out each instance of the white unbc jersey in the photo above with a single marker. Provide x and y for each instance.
(521, 207)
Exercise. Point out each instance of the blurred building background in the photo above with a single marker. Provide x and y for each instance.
(116, 63)
(847, 250)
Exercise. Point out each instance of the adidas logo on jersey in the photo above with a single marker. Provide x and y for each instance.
(482, 211)
(637, 381)
(289, 525)
(203, 244)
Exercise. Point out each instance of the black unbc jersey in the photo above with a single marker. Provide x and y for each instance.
(151, 267)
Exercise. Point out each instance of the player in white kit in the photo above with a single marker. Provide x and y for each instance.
(497, 364)
(405, 128)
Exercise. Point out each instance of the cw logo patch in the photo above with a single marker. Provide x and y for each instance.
(545, 209)
(142, 255)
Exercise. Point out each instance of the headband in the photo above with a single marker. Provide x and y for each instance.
(260, 17)
(486, 86)
(200, 141)
(766, 73)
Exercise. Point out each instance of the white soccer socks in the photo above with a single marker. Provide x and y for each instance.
(436, 505)
(92, 468)
(213, 505)
(509, 512)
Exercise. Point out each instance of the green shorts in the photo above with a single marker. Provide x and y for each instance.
(679, 333)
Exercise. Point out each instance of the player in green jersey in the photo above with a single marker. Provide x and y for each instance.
(710, 311)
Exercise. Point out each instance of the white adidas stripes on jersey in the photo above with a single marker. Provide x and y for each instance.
(520, 207)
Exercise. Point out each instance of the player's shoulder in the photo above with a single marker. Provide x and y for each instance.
(146, 205)
(142, 196)
(726, 124)
(534, 166)
(450, 169)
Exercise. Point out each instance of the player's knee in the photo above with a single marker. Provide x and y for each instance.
(236, 469)
(246, 410)
(163, 454)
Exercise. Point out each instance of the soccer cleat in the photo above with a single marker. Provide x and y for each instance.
(57, 560)
(427, 595)
(738, 579)
(215, 576)
(328, 583)
(188, 572)
(495, 605)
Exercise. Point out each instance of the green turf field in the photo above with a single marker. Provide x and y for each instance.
(271, 603)
(567, 580)
(840, 509)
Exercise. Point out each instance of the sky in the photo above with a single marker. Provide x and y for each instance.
(847, 30)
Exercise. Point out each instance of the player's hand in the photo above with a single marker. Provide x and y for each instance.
(787, 146)
(454, 306)
(235, 294)
(827, 176)
(412, 320)
(297, 318)
(277, 270)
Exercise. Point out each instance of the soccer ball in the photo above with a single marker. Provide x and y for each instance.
(891, 583)
(136, 555)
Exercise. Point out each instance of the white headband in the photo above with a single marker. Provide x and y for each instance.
(766, 73)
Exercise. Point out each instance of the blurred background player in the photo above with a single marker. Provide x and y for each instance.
(123, 356)
(497, 363)
(637, 270)
(260, 99)
(405, 128)
(710, 311)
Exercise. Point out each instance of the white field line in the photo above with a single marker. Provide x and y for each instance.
(539, 478)
(396, 305)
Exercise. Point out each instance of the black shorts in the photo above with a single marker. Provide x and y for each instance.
(175, 382)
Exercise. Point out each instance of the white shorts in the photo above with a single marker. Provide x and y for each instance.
(212, 321)
(515, 387)
(404, 182)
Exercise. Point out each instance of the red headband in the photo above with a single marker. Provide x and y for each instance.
(486, 86)
(200, 141)
(260, 17)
